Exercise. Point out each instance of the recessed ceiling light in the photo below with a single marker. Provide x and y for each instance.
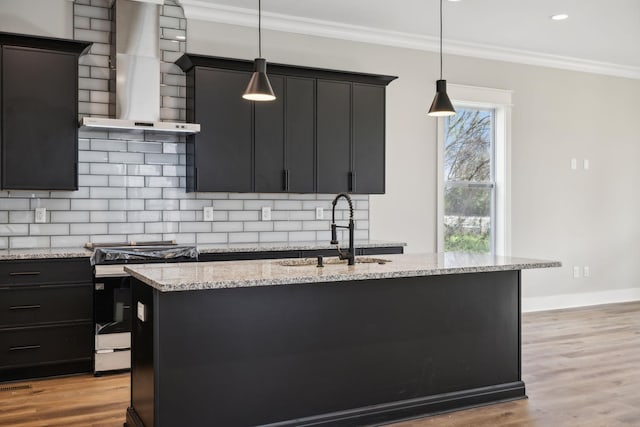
(559, 17)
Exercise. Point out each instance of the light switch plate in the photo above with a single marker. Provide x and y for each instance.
(41, 215)
(266, 213)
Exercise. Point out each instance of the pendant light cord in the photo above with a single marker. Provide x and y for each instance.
(440, 39)
(260, 28)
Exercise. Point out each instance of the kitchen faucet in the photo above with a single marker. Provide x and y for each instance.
(349, 255)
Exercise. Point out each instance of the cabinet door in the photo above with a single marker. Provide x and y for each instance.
(300, 134)
(368, 139)
(333, 136)
(223, 148)
(39, 119)
(269, 141)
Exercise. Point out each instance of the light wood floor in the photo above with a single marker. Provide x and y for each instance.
(581, 368)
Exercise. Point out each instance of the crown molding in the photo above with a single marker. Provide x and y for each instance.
(206, 11)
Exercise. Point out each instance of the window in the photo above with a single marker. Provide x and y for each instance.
(473, 172)
(469, 184)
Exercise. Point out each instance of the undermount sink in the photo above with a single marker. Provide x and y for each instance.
(331, 260)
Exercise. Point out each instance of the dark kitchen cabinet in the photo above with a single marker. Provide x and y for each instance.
(46, 318)
(368, 127)
(333, 136)
(221, 154)
(39, 113)
(324, 133)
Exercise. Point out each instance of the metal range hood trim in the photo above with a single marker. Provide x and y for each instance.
(137, 72)
(98, 123)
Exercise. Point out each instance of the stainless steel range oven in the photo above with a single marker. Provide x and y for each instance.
(112, 297)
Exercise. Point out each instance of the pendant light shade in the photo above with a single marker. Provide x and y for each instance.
(259, 87)
(441, 105)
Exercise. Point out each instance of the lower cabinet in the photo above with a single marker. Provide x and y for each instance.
(46, 318)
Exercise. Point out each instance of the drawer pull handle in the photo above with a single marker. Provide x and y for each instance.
(24, 347)
(24, 273)
(24, 307)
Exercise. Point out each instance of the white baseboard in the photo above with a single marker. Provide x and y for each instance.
(555, 302)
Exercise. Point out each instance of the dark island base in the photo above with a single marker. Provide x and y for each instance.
(341, 353)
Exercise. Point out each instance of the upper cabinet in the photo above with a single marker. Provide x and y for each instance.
(324, 133)
(39, 112)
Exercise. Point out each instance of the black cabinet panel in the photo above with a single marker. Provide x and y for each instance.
(300, 134)
(35, 305)
(368, 139)
(39, 119)
(223, 148)
(44, 345)
(333, 136)
(269, 141)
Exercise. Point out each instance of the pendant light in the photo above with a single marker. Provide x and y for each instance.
(441, 105)
(259, 88)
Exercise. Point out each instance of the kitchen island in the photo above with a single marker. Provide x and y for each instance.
(282, 343)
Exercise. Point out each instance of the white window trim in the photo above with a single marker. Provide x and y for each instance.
(500, 101)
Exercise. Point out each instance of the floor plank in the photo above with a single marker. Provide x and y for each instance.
(581, 368)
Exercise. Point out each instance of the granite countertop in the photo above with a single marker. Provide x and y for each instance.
(239, 274)
(43, 253)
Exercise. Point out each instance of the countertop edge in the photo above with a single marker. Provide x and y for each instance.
(339, 277)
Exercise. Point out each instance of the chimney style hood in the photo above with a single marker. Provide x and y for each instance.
(137, 61)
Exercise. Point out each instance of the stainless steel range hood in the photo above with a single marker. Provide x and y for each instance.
(137, 61)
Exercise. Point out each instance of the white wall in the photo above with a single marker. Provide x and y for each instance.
(51, 18)
(582, 218)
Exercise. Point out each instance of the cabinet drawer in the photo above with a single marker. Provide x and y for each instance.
(45, 345)
(45, 304)
(45, 271)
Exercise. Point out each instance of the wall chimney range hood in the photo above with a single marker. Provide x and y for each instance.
(137, 63)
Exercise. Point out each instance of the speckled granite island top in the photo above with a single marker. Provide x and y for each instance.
(240, 274)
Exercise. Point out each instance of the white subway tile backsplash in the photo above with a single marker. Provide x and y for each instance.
(210, 238)
(108, 145)
(88, 229)
(101, 24)
(258, 226)
(228, 205)
(126, 205)
(93, 156)
(108, 192)
(93, 84)
(144, 216)
(108, 216)
(302, 236)
(4, 217)
(195, 227)
(21, 217)
(29, 242)
(68, 241)
(162, 205)
(4, 242)
(146, 170)
(126, 228)
(107, 169)
(273, 237)
(135, 158)
(10, 204)
(181, 238)
(93, 180)
(226, 227)
(287, 225)
(244, 237)
(161, 227)
(162, 181)
(288, 205)
(48, 229)
(90, 12)
(145, 147)
(144, 193)
(244, 215)
(126, 181)
(70, 216)
(161, 159)
(51, 204)
(195, 204)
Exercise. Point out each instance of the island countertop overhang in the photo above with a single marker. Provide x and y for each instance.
(242, 274)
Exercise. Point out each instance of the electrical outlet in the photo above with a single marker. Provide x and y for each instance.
(585, 164)
(41, 215)
(586, 271)
(576, 272)
(574, 164)
(266, 213)
(319, 213)
(207, 213)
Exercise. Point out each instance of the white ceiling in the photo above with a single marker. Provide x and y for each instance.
(599, 34)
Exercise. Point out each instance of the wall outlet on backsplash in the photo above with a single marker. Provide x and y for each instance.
(208, 213)
(319, 212)
(266, 213)
(41, 215)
